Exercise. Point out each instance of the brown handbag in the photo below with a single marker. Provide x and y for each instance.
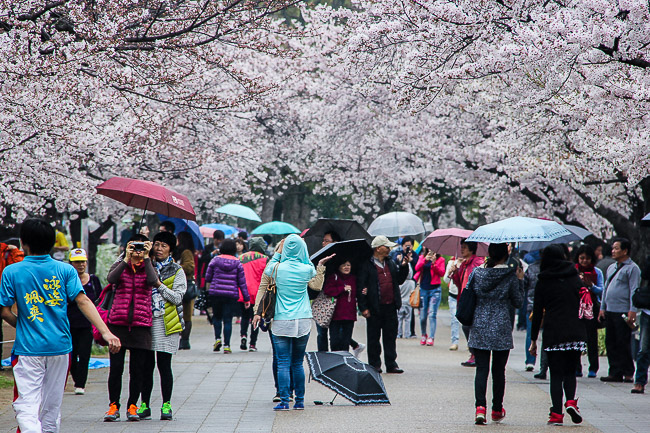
(266, 309)
(414, 299)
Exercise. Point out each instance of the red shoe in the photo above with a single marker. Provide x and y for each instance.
(429, 341)
(572, 409)
(555, 418)
(423, 340)
(497, 416)
(480, 415)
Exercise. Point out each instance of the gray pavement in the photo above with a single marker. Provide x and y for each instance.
(232, 393)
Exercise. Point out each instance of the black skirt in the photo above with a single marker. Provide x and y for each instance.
(133, 337)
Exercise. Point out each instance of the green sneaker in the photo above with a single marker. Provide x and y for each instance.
(166, 412)
(144, 412)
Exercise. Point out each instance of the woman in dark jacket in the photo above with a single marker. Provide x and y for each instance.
(498, 289)
(343, 286)
(557, 301)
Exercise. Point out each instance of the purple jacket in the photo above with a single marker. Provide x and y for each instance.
(226, 277)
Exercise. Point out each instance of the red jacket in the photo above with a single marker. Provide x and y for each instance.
(132, 301)
(9, 257)
(346, 303)
(461, 276)
(437, 269)
(254, 264)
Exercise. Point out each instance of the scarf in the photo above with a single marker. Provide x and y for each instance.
(157, 301)
(160, 265)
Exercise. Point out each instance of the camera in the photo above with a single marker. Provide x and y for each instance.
(138, 246)
(408, 250)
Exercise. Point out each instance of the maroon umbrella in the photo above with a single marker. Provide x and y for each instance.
(147, 195)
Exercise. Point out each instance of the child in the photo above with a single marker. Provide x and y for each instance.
(41, 288)
(405, 312)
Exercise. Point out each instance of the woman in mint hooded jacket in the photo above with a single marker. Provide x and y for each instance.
(292, 271)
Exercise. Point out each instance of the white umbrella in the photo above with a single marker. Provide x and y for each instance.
(395, 224)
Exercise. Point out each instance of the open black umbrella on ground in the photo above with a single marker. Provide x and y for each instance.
(347, 229)
(355, 250)
(346, 375)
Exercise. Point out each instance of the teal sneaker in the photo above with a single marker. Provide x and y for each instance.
(166, 412)
(144, 412)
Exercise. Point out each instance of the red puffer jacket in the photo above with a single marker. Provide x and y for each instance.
(132, 301)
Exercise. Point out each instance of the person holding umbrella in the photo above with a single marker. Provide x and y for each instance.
(379, 299)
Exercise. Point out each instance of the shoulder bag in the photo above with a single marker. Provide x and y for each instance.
(266, 309)
(104, 303)
(322, 309)
(414, 299)
(466, 306)
(641, 297)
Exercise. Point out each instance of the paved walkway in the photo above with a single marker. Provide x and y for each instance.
(232, 393)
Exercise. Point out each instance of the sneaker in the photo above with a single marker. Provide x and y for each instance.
(471, 362)
(530, 367)
(591, 374)
(480, 415)
(453, 347)
(413, 336)
(132, 413)
(252, 348)
(497, 416)
(572, 409)
(555, 419)
(423, 340)
(79, 391)
(227, 349)
(277, 398)
(360, 348)
(243, 346)
(281, 406)
(166, 412)
(429, 341)
(144, 412)
(217, 346)
(113, 413)
(299, 406)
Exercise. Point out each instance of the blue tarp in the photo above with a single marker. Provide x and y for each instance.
(94, 363)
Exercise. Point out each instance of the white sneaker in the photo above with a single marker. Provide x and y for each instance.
(530, 367)
(356, 352)
(79, 391)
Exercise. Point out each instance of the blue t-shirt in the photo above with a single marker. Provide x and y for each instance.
(41, 288)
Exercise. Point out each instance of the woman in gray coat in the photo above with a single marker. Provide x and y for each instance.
(498, 289)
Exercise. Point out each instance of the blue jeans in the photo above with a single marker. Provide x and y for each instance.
(643, 357)
(430, 302)
(291, 352)
(275, 367)
(530, 359)
(455, 325)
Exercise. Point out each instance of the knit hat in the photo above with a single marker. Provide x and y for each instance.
(167, 238)
(257, 244)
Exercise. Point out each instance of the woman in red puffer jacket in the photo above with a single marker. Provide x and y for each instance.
(130, 318)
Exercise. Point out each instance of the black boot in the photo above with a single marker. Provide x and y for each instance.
(185, 337)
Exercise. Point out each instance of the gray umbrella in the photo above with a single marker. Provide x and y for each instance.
(396, 224)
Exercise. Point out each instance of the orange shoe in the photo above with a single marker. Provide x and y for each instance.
(132, 413)
(113, 413)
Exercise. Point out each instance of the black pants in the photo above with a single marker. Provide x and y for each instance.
(562, 365)
(499, 361)
(164, 361)
(136, 370)
(341, 334)
(246, 318)
(82, 344)
(618, 341)
(412, 329)
(592, 345)
(382, 324)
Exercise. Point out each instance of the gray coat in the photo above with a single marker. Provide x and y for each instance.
(497, 291)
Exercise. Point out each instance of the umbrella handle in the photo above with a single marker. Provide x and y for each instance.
(143, 212)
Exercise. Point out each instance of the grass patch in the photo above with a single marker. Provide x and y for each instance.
(98, 350)
(6, 382)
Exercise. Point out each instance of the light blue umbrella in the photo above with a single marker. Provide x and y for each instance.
(577, 233)
(519, 229)
(239, 211)
(183, 225)
(275, 228)
(208, 229)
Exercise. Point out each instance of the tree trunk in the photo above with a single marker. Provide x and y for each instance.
(268, 205)
(93, 242)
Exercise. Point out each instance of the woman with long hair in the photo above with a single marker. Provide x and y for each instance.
(184, 255)
(429, 269)
(557, 302)
(498, 289)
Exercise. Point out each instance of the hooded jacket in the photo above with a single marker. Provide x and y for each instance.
(498, 290)
(226, 277)
(254, 264)
(557, 301)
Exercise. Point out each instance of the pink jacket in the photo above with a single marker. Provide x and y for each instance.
(437, 269)
(132, 301)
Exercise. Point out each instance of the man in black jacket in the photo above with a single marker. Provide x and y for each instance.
(379, 298)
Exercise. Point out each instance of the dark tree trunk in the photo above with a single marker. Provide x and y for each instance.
(93, 242)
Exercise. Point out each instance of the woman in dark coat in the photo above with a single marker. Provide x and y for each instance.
(498, 289)
(557, 301)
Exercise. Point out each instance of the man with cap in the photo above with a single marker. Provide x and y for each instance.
(379, 299)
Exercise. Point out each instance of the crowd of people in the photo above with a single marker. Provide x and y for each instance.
(566, 295)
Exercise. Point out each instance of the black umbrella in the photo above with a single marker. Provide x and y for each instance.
(355, 250)
(346, 375)
(347, 229)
